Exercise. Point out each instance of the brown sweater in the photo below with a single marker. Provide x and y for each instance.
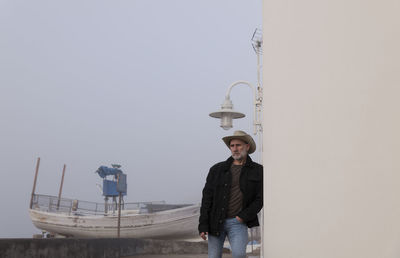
(236, 196)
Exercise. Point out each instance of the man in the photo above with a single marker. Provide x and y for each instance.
(232, 197)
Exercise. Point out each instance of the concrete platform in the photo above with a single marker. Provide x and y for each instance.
(94, 248)
(104, 247)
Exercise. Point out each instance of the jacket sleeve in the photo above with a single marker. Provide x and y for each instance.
(206, 204)
(250, 212)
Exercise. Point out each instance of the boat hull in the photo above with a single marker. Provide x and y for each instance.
(178, 223)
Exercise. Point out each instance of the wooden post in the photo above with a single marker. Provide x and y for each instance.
(119, 209)
(61, 186)
(119, 214)
(34, 182)
(105, 205)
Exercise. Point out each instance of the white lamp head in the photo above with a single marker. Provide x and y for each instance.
(226, 113)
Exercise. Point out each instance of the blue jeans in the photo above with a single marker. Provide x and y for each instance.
(237, 236)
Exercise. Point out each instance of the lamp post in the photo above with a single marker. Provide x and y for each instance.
(227, 114)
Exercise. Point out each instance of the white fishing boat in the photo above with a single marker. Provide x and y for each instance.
(74, 218)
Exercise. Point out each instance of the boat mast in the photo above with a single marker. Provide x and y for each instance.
(61, 187)
(34, 182)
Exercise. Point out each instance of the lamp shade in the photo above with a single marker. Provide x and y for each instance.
(226, 113)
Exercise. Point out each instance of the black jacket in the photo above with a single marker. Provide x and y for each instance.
(216, 195)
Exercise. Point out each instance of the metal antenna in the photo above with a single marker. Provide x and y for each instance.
(257, 41)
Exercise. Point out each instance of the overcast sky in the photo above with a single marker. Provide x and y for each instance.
(91, 83)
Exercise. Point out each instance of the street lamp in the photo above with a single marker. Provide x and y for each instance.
(226, 113)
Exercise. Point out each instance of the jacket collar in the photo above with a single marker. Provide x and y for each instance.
(229, 161)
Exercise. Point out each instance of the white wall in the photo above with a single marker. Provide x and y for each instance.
(331, 128)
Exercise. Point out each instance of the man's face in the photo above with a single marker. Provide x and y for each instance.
(239, 149)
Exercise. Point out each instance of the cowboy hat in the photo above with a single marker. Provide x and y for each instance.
(240, 135)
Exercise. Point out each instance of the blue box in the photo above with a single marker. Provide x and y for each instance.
(110, 188)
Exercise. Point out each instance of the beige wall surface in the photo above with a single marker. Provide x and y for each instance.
(331, 75)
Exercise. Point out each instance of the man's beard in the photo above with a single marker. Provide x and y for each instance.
(239, 156)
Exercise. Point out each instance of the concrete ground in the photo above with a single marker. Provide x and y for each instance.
(254, 254)
(176, 256)
(184, 256)
(225, 255)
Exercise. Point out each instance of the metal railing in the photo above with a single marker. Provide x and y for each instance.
(77, 207)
